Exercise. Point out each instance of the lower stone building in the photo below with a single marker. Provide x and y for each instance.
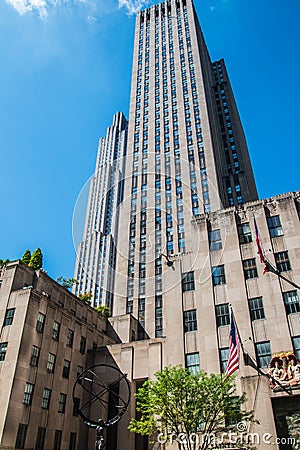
(223, 269)
(46, 333)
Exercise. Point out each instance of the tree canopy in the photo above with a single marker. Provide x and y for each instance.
(36, 260)
(26, 257)
(187, 407)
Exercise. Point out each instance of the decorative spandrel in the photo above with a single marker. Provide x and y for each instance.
(284, 371)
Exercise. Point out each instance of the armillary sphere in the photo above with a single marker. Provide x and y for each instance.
(105, 397)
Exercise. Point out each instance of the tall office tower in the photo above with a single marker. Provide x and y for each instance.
(96, 257)
(186, 151)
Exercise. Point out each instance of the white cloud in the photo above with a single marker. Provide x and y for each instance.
(24, 6)
(42, 7)
(133, 6)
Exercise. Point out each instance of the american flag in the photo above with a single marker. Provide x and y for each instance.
(234, 349)
(260, 248)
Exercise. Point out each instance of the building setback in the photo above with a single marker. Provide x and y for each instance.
(46, 333)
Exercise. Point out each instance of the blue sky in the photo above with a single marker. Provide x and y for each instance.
(65, 70)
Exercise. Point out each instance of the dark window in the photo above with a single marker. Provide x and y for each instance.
(76, 404)
(40, 439)
(40, 322)
(57, 440)
(46, 398)
(51, 363)
(263, 352)
(70, 338)
(256, 308)
(62, 402)
(158, 316)
(55, 330)
(190, 320)
(224, 353)
(291, 301)
(244, 233)
(192, 362)
(72, 445)
(28, 393)
(218, 275)
(188, 282)
(296, 345)
(3, 348)
(35, 354)
(79, 371)
(275, 227)
(82, 345)
(215, 241)
(222, 315)
(21, 435)
(250, 269)
(66, 368)
(233, 414)
(9, 317)
(282, 261)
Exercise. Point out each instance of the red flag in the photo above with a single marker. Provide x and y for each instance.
(260, 248)
(234, 349)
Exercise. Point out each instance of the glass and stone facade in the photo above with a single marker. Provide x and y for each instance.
(96, 256)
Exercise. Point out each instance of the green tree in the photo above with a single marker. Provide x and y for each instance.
(66, 283)
(3, 262)
(104, 310)
(36, 260)
(190, 408)
(86, 298)
(26, 257)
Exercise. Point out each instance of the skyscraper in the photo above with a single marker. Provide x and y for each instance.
(97, 250)
(186, 246)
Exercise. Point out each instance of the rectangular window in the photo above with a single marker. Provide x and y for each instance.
(190, 320)
(218, 275)
(282, 261)
(72, 445)
(256, 308)
(291, 302)
(57, 440)
(192, 362)
(250, 269)
(215, 241)
(70, 338)
(35, 354)
(79, 371)
(51, 363)
(296, 345)
(224, 353)
(188, 282)
(66, 368)
(55, 330)
(9, 317)
(62, 403)
(263, 352)
(21, 435)
(244, 232)
(222, 315)
(76, 405)
(82, 345)
(158, 316)
(46, 398)
(28, 393)
(40, 439)
(40, 322)
(275, 227)
(3, 349)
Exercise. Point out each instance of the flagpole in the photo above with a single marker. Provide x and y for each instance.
(268, 266)
(254, 364)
